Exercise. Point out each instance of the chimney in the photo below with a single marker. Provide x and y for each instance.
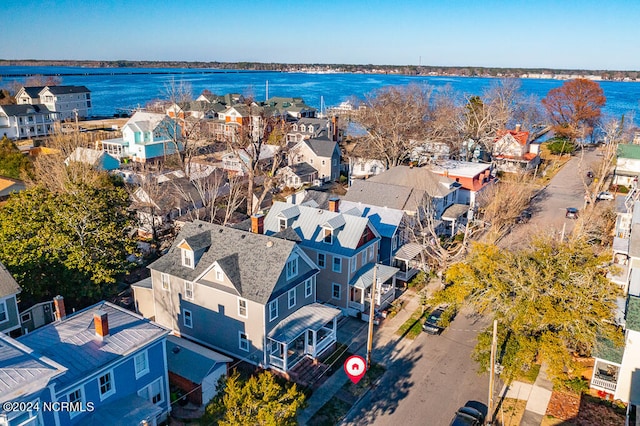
(257, 224)
(58, 304)
(517, 127)
(334, 204)
(335, 128)
(101, 323)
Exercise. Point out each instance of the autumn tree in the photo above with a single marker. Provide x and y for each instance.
(260, 401)
(394, 118)
(575, 108)
(552, 300)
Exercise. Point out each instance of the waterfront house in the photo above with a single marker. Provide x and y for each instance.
(472, 177)
(627, 163)
(146, 136)
(513, 152)
(321, 154)
(290, 108)
(68, 102)
(258, 290)
(9, 290)
(107, 362)
(26, 121)
(345, 247)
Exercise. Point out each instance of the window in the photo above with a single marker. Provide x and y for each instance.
(308, 287)
(323, 162)
(141, 362)
(77, 397)
(187, 258)
(394, 242)
(283, 224)
(354, 263)
(164, 278)
(3, 311)
(243, 341)
(153, 392)
(26, 317)
(242, 307)
(321, 260)
(105, 382)
(364, 257)
(370, 251)
(188, 290)
(310, 160)
(187, 319)
(292, 268)
(273, 310)
(291, 298)
(219, 275)
(362, 167)
(328, 235)
(335, 291)
(337, 264)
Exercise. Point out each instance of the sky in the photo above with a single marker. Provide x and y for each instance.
(567, 34)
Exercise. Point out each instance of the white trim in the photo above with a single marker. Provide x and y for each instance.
(82, 400)
(187, 290)
(150, 396)
(333, 264)
(145, 370)
(112, 385)
(165, 281)
(184, 318)
(333, 285)
(241, 341)
(3, 302)
(246, 307)
(324, 260)
(354, 264)
(289, 293)
(188, 258)
(308, 285)
(273, 303)
(292, 271)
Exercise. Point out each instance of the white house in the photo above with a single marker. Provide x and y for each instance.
(26, 121)
(69, 102)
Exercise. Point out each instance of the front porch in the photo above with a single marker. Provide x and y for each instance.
(408, 260)
(360, 288)
(605, 376)
(456, 216)
(306, 333)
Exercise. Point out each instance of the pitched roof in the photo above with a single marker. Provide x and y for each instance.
(253, 262)
(9, 186)
(145, 121)
(420, 178)
(309, 317)
(72, 342)
(8, 285)
(383, 195)
(192, 361)
(385, 220)
(24, 109)
(520, 136)
(321, 147)
(627, 150)
(308, 225)
(64, 90)
(302, 169)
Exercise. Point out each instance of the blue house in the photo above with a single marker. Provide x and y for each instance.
(9, 290)
(103, 365)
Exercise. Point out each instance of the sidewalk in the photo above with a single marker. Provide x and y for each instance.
(536, 395)
(386, 347)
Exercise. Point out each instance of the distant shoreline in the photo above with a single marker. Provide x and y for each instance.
(409, 70)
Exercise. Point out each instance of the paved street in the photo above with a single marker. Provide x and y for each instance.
(429, 381)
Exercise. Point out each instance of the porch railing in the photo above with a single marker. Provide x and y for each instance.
(356, 305)
(326, 341)
(406, 275)
(277, 362)
(604, 384)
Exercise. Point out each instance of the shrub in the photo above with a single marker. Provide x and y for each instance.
(560, 146)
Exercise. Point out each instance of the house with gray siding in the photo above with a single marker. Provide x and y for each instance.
(345, 247)
(322, 154)
(248, 295)
(9, 290)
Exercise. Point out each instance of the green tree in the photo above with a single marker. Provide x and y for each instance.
(259, 401)
(551, 300)
(12, 162)
(72, 243)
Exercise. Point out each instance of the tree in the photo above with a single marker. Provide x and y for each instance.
(551, 299)
(394, 118)
(72, 243)
(259, 401)
(575, 108)
(13, 163)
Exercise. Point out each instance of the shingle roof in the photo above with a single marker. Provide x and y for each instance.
(24, 109)
(308, 226)
(303, 169)
(416, 177)
(192, 361)
(321, 147)
(63, 90)
(72, 342)
(252, 262)
(8, 284)
(381, 194)
(385, 220)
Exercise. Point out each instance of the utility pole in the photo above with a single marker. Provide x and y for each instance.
(372, 310)
(492, 370)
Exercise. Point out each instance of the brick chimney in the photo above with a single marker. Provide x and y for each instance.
(334, 204)
(101, 323)
(518, 126)
(58, 304)
(257, 224)
(335, 128)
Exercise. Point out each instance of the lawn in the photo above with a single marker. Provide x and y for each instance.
(413, 326)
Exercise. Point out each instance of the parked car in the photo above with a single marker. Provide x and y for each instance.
(572, 213)
(438, 320)
(590, 174)
(524, 216)
(605, 195)
(467, 416)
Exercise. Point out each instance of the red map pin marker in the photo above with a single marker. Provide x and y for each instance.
(355, 367)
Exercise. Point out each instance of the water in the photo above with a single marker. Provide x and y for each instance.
(113, 88)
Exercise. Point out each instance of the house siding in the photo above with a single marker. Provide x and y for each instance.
(283, 304)
(13, 319)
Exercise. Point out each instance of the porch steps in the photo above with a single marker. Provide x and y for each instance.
(308, 374)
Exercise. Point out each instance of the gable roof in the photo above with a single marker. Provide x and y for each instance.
(192, 361)
(385, 220)
(93, 157)
(72, 342)
(145, 121)
(520, 136)
(24, 109)
(420, 178)
(321, 147)
(65, 90)
(8, 285)
(384, 195)
(253, 262)
(348, 229)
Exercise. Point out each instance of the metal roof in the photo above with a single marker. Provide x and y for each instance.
(290, 213)
(309, 317)
(408, 251)
(364, 278)
(131, 410)
(386, 220)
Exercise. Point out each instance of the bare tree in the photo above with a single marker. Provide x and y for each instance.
(235, 198)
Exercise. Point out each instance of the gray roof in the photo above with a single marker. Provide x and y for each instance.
(634, 241)
(322, 147)
(8, 285)
(303, 170)
(454, 211)
(408, 251)
(63, 90)
(364, 278)
(23, 372)
(308, 225)
(416, 177)
(73, 344)
(192, 361)
(382, 194)
(33, 91)
(252, 262)
(24, 109)
(309, 317)
(10, 186)
(318, 199)
(131, 410)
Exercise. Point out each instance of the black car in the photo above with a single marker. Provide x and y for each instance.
(433, 324)
(467, 416)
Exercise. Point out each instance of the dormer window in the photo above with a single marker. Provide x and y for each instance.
(310, 129)
(328, 235)
(302, 127)
(187, 258)
(292, 268)
(282, 224)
